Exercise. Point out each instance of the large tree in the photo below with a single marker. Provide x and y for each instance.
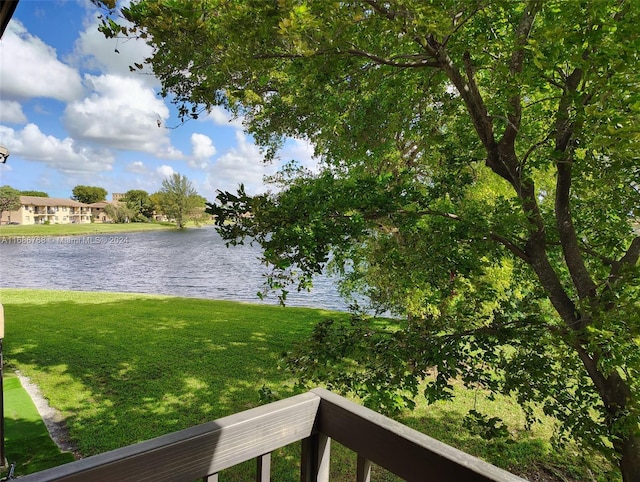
(120, 212)
(89, 194)
(138, 200)
(480, 176)
(34, 193)
(179, 200)
(9, 199)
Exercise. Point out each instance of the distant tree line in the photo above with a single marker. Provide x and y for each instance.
(9, 199)
(34, 193)
(89, 194)
(177, 200)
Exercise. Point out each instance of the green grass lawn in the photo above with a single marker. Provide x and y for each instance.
(125, 368)
(79, 229)
(27, 441)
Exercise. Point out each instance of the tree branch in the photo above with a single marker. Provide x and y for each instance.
(422, 212)
(458, 24)
(356, 53)
(568, 238)
(515, 67)
(519, 252)
(503, 161)
(382, 61)
(384, 11)
(536, 249)
(551, 282)
(630, 258)
(497, 328)
(468, 90)
(522, 34)
(564, 126)
(531, 149)
(442, 214)
(574, 259)
(604, 259)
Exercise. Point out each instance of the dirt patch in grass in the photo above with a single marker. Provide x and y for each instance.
(51, 417)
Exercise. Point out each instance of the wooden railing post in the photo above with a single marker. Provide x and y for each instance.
(364, 469)
(263, 472)
(405, 452)
(315, 458)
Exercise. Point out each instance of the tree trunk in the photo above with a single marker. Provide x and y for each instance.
(612, 388)
(616, 397)
(615, 394)
(629, 448)
(503, 161)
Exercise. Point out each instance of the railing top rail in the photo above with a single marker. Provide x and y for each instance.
(206, 449)
(402, 450)
(198, 451)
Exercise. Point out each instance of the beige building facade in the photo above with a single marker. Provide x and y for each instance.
(98, 213)
(48, 210)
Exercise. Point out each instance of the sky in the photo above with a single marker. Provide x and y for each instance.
(72, 113)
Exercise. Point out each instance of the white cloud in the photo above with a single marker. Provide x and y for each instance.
(29, 68)
(11, 112)
(203, 147)
(241, 164)
(64, 155)
(137, 167)
(300, 151)
(121, 113)
(221, 117)
(202, 151)
(93, 51)
(165, 171)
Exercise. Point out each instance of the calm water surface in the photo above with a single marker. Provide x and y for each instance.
(193, 263)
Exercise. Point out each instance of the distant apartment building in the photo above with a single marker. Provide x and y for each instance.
(117, 196)
(48, 210)
(98, 213)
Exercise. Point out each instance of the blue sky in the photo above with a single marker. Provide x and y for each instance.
(72, 113)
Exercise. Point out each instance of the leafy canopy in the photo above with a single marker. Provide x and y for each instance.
(179, 200)
(139, 202)
(479, 176)
(120, 213)
(34, 193)
(9, 199)
(89, 194)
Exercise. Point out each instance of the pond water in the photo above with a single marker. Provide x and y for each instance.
(193, 263)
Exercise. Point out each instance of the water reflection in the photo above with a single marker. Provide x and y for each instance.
(192, 263)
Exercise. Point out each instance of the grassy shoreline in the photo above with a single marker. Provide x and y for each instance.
(126, 367)
(34, 230)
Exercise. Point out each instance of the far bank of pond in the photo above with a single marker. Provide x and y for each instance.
(80, 229)
(193, 263)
